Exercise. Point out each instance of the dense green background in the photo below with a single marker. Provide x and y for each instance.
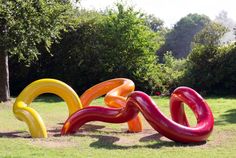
(83, 48)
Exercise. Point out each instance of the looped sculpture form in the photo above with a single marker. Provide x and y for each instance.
(141, 102)
(123, 110)
(30, 116)
(116, 90)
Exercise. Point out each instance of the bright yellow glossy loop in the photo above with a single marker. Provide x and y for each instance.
(116, 91)
(30, 116)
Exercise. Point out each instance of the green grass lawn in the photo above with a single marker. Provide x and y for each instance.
(97, 139)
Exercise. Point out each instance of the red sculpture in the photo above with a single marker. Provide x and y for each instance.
(177, 129)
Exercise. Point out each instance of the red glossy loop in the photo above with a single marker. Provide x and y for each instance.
(139, 101)
(190, 97)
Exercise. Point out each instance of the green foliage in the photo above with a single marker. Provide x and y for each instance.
(26, 23)
(211, 69)
(226, 66)
(172, 70)
(78, 56)
(154, 23)
(121, 42)
(200, 64)
(210, 35)
(129, 47)
(179, 39)
(157, 25)
(111, 44)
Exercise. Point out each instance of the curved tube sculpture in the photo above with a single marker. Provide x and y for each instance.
(140, 102)
(116, 91)
(30, 116)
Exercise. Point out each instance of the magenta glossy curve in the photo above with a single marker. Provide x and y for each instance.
(177, 129)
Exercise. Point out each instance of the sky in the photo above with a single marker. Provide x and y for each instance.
(170, 11)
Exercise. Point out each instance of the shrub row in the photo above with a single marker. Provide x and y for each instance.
(117, 43)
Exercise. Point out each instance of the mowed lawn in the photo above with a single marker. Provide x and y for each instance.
(96, 139)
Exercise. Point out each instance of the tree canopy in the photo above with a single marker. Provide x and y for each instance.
(26, 23)
(210, 35)
(105, 45)
(179, 39)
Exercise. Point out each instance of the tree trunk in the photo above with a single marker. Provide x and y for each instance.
(4, 77)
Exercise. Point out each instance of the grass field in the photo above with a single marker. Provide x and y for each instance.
(98, 140)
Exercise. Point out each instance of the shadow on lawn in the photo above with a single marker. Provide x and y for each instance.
(108, 142)
(85, 128)
(16, 134)
(228, 117)
(91, 128)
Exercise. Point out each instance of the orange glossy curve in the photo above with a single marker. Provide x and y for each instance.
(116, 91)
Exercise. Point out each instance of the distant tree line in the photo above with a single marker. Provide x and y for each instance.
(178, 40)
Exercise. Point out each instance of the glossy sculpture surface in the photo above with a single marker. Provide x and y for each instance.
(177, 129)
(124, 106)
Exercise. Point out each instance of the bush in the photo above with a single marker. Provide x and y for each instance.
(211, 69)
(115, 43)
(172, 70)
(226, 71)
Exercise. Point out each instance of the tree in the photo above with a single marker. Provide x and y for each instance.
(131, 45)
(207, 59)
(154, 23)
(173, 70)
(179, 39)
(114, 43)
(210, 35)
(23, 25)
